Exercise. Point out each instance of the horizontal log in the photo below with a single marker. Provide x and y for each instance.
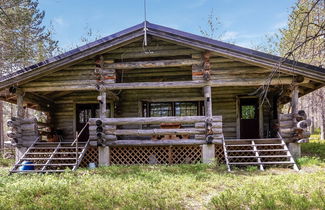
(288, 123)
(28, 127)
(93, 136)
(215, 136)
(214, 125)
(285, 117)
(151, 64)
(181, 131)
(157, 85)
(158, 142)
(13, 135)
(304, 124)
(152, 120)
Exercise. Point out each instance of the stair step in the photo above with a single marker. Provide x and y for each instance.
(50, 153)
(267, 139)
(49, 143)
(37, 171)
(260, 150)
(49, 164)
(261, 156)
(262, 163)
(48, 158)
(251, 145)
(73, 147)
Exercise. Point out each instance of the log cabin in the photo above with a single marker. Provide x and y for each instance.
(155, 95)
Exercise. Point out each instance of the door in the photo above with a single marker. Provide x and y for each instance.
(84, 112)
(249, 118)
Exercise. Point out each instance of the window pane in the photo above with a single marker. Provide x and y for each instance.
(247, 112)
(161, 109)
(186, 108)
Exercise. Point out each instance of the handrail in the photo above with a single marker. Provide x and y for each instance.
(78, 135)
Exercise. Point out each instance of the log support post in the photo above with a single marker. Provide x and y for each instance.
(207, 101)
(20, 104)
(102, 105)
(208, 153)
(103, 156)
(295, 147)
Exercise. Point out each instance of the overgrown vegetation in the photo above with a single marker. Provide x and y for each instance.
(197, 186)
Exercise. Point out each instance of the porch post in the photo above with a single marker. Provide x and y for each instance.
(19, 150)
(295, 148)
(208, 150)
(103, 151)
(20, 103)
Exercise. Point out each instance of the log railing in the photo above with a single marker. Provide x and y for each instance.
(107, 131)
(294, 132)
(24, 131)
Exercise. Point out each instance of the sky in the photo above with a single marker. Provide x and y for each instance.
(243, 22)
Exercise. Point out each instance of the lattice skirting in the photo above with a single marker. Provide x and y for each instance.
(91, 156)
(130, 155)
(219, 153)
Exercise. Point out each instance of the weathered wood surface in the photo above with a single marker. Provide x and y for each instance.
(90, 84)
(153, 120)
(151, 64)
(159, 142)
(151, 132)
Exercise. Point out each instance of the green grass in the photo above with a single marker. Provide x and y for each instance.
(199, 186)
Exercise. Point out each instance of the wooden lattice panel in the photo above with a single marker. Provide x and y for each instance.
(219, 153)
(91, 156)
(130, 155)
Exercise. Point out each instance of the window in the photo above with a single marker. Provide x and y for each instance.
(248, 112)
(164, 109)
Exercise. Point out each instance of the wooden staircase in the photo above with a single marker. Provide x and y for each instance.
(51, 157)
(257, 152)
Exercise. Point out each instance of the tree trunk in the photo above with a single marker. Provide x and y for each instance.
(1, 127)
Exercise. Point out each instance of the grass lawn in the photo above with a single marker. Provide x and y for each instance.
(197, 186)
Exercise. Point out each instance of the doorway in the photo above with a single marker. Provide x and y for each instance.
(249, 118)
(83, 113)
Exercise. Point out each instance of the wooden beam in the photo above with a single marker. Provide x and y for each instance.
(152, 120)
(66, 86)
(151, 64)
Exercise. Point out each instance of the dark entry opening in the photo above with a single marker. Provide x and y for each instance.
(249, 118)
(84, 112)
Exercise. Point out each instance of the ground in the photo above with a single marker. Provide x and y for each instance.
(198, 186)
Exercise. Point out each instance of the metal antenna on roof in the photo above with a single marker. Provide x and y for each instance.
(145, 42)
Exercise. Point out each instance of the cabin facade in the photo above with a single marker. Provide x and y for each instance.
(159, 96)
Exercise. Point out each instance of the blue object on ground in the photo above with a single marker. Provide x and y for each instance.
(26, 167)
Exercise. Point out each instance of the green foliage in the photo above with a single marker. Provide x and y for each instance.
(292, 191)
(23, 38)
(162, 187)
(315, 148)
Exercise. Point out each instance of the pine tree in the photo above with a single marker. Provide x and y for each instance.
(23, 38)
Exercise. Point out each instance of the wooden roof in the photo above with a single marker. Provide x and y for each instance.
(130, 34)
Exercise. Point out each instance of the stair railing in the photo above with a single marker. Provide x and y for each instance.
(76, 141)
(23, 156)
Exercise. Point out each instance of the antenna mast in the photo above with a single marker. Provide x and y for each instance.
(145, 29)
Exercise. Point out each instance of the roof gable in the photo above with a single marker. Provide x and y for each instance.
(136, 32)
